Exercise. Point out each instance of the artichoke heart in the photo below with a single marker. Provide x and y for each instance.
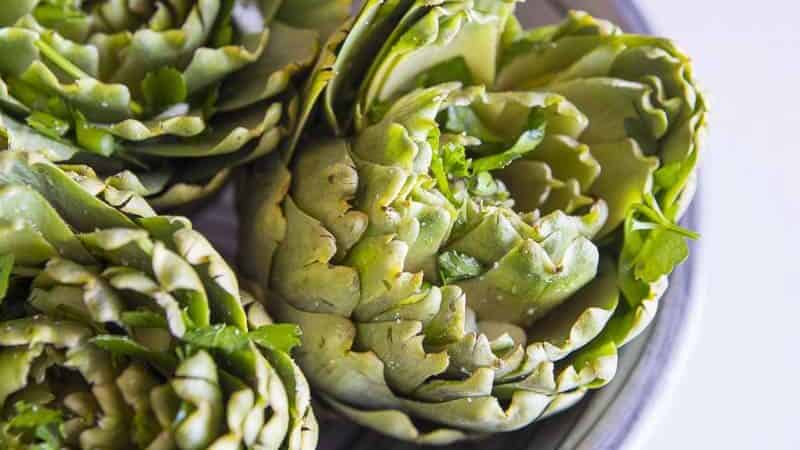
(178, 93)
(123, 329)
(471, 218)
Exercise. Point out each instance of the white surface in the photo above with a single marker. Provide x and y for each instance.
(739, 388)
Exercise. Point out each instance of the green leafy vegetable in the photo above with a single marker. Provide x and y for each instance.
(653, 212)
(50, 436)
(527, 142)
(455, 266)
(279, 337)
(42, 422)
(662, 252)
(483, 184)
(29, 416)
(227, 338)
(455, 161)
(448, 162)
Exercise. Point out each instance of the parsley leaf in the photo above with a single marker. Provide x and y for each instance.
(50, 436)
(653, 247)
(279, 337)
(454, 158)
(668, 175)
(455, 266)
(223, 337)
(484, 185)
(230, 339)
(42, 422)
(440, 175)
(29, 416)
(526, 142)
(651, 210)
(450, 161)
(661, 253)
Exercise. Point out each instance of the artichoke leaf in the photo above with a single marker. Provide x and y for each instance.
(486, 271)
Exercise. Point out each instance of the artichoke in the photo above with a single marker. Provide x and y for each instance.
(123, 329)
(472, 218)
(174, 93)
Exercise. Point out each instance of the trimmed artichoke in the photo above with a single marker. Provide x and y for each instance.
(473, 218)
(177, 93)
(123, 329)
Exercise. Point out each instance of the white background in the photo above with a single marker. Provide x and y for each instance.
(740, 386)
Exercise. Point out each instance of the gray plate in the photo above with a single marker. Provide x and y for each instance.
(610, 418)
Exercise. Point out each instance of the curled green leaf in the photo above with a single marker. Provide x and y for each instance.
(277, 337)
(217, 337)
(454, 266)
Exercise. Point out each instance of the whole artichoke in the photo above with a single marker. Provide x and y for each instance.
(473, 218)
(177, 93)
(122, 329)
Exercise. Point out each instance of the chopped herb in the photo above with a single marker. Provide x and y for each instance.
(455, 266)
(42, 422)
(222, 337)
(279, 337)
(527, 142)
